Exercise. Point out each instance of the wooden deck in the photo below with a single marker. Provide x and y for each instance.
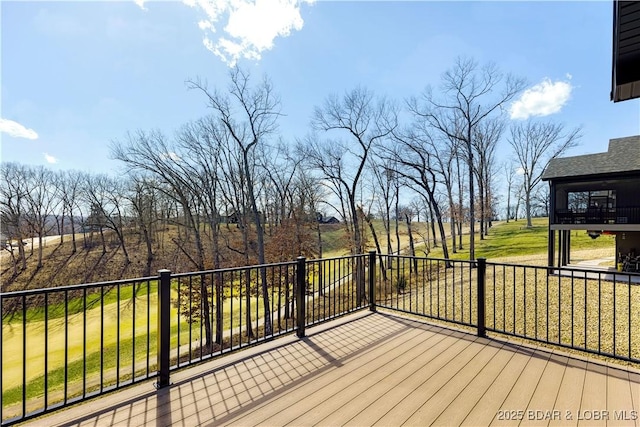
(378, 369)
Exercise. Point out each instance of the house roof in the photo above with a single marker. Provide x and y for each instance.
(626, 51)
(623, 157)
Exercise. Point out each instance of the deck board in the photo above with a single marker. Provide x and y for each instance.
(546, 393)
(406, 397)
(489, 403)
(369, 369)
(517, 401)
(430, 409)
(466, 401)
(593, 403)
(618, 396)
(569, 394)
(304, 401)
(386, 377)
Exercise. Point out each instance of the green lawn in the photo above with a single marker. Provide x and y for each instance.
(335, 241)
(514, 239)
(93, 337)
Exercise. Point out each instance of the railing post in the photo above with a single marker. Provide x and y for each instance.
(372, 280)
(164, 327)
(482, 273)
(301, 308)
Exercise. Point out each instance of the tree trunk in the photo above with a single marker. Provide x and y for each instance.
(482, 208)
(268, 329)
(104, 243)
(412, 248)
(472, 196)
(527, 208)
(383, 270)
(39, 249)
(73, 235)
(433, 225)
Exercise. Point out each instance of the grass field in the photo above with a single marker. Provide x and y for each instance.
(335, 241)
(109, 338)
(513, 239)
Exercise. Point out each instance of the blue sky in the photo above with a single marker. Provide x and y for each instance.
(77, 75)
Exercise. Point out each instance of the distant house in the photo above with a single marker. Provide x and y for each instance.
(331, 220)
(597, 193)
(232, 218)
(326, 220)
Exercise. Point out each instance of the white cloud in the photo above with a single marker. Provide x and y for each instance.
(251, 25)
(50, 159)
(140, 4)
(17, 130)
(171, 155)
(543, 99)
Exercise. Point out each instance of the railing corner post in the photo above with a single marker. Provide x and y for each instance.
(164, 327)
(301, 309)
(482, 273)
(372, 280)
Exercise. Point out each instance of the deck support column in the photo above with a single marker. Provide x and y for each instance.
(566, 247)
(482, 270)
(551, 247)
(372, 280)
(301, 308)
(164, 327)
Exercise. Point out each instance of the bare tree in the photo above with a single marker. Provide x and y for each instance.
(486, 137)
(540, 201)
(249, 115)
(470, 95)
(311, 194)
(365, 120)
(383, 173)
(69, 190)
(41, 200)
(13, 194)
(152, 154)
(415, 163)
(445, 155)
(141, 195)
(105, 194)
(534, 145)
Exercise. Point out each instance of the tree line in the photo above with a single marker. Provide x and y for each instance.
(433, 156)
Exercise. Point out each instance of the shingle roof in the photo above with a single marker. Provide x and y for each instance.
(623, 156)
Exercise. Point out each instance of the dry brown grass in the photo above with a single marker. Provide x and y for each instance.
(581, 313)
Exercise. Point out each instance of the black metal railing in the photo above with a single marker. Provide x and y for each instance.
(594, 311)
(619, 215)
(63, 345)
(434, 288)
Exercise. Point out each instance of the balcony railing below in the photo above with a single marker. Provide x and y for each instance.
(621, 215)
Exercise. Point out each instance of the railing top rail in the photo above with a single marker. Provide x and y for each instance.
(581, 272)
(337, 257)
(81, 286)
(450, 260)
(232, 269)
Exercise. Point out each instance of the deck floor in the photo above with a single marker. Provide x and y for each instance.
(378, 369)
